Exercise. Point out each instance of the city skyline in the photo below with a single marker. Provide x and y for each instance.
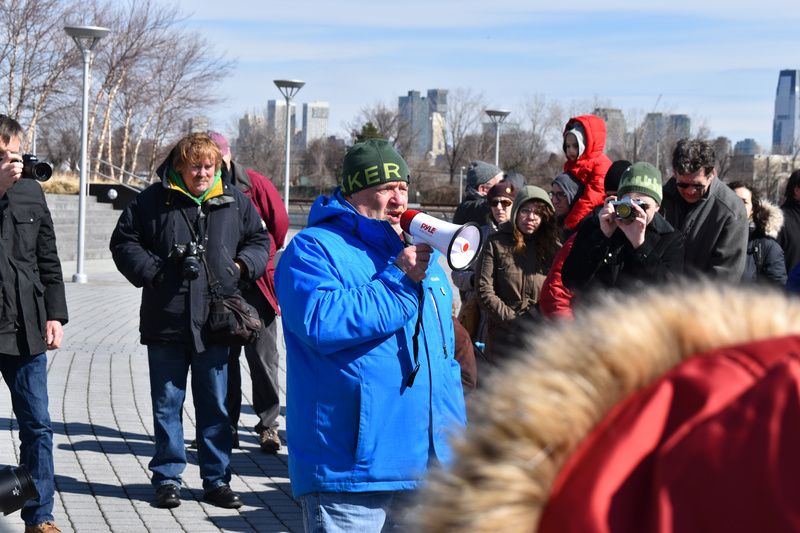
(717, 63)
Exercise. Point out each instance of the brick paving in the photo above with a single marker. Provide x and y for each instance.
(102, 423)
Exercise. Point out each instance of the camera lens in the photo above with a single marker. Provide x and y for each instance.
(623, 211)
(191, 268)
(16, 487)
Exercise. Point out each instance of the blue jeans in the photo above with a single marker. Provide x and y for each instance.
(26, 378)
(345, 512)
(169, 366)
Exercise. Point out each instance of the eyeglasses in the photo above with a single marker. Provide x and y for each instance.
(497, 203)
(557, 195)
(528, 211)
(698, 187)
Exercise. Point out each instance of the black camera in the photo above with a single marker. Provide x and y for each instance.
(34, 169)
(188, 256)
(16, 488)
(624, 208)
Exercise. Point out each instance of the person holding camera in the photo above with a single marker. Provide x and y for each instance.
(373, 388)
(181, 239)
(627, 241)
(34, 308)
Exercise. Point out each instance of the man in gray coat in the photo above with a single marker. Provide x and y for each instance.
(710, 215)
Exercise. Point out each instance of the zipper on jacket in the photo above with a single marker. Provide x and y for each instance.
(439, 320)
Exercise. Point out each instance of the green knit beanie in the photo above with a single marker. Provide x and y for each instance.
(643, 178)
(371, 163)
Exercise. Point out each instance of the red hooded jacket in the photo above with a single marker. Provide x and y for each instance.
(590, 168)
(268, 203)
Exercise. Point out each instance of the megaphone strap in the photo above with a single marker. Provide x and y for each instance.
(415, 338)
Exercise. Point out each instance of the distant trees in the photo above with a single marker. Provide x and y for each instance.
(148, 76)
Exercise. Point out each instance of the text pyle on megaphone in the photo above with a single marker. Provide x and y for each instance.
(459, 244)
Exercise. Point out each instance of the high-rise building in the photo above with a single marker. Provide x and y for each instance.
(746, 147)
(615, 130)
(423, 118)
(786, 125)
(276, 117)
(315, 121)
(659, 134)
(197, 124)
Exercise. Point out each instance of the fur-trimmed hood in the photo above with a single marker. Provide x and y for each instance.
(537, 411)
(771, 220)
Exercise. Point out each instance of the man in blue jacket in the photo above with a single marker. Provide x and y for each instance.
(373, 388)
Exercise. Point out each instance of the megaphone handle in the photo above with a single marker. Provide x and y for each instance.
(415, 338)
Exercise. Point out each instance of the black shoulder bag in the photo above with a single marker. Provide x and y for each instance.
(231, 320)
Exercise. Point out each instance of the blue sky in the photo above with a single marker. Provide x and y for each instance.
(717, 62)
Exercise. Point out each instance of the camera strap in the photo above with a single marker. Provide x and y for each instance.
(214, 286)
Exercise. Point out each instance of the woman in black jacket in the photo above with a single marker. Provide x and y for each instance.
(765, 260)
(628, 243)
(167, 240)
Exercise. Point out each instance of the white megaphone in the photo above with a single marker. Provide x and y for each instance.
(459, 244)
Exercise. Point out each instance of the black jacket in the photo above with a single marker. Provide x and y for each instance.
(597, 261)
(174, 310)
(789, 237)
(32, 282)
(474, 208)
(714, 228)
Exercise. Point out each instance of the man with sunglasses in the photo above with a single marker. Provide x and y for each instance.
(627, 242)
(711, 217)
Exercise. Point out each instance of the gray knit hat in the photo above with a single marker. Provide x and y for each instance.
(480, 172)
(568, 184)
(643, 178)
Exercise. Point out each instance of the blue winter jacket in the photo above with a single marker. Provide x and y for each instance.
(349, 315)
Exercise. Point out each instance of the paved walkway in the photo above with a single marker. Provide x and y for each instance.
(102, 422)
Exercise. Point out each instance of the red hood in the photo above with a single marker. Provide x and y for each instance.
(595, 129)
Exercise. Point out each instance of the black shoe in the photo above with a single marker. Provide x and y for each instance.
(223, 497)
(168, 496)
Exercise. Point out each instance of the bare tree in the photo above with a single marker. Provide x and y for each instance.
(35, 54)
(388, 121)
(464, 110)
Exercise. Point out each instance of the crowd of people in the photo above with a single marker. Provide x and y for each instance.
(377, 362)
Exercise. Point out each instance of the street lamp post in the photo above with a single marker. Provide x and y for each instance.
(460, 184)
(86, 38)
(288, 89)
(497, 116)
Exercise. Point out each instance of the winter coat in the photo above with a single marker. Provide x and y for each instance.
(508, 284)
(32, 282)
(600, 262)
(715, 229)
(466, 281)
(475, 208)
(765, 262)
(349, 316)
(589, 169)
(789, 237)
(672, 410)
(174, 310)
(270, 208)
(556, 299)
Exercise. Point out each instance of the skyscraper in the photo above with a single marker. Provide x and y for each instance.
(615, 130)
(423, 118)
(315, 121)
(786, 125)
(276, 117)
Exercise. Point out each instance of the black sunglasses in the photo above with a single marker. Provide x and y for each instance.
(696, 186)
